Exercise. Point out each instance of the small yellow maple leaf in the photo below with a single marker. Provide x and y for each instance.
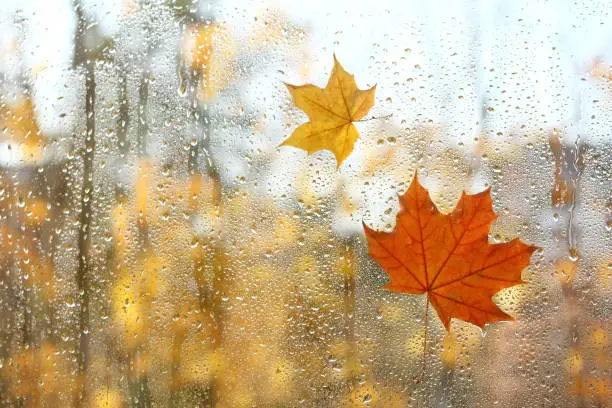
(332, 111)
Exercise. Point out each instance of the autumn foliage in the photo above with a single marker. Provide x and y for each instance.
(448, 256)
(157, 249)
(331, 112)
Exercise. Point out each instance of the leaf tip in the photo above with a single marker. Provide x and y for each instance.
(337, 63)
(283, 143)
(532, 248)
(447, 325)
(484, 193)
(387, 286)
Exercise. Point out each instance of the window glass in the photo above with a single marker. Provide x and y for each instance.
(163, 244)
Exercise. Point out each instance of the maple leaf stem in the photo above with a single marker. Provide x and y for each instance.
(419, 376)
(376, 117)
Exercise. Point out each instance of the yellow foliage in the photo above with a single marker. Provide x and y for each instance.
(364, 395)
(591, 387)
(108, 398)
(348, 205)
(42, 275)
(449, 349)
(19, 120)
(309, 276)
(414, 344)
(200, 363)
(566, 270)
(119, 229)
(597, 387)
(22, 251)
(331, 112)
(261, 273)
(574, 362)
(209, 49)
(374, 396)
(38, 373)
(195, 189)
(280, 376)
(391, 313)
(285, 231)
(599, 338)
(604, 273)
(132, 298)
(37, 211)
(142, 189)
(237, 397)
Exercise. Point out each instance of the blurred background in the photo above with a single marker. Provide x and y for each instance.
(157, 248)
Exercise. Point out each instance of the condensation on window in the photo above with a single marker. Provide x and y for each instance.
(158, 247)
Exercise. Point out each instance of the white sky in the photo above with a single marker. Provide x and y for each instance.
(526, 60)
(514, 38)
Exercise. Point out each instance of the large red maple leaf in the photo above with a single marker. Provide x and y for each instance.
(449, 257)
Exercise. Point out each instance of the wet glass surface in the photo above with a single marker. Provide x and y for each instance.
(158, 247)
